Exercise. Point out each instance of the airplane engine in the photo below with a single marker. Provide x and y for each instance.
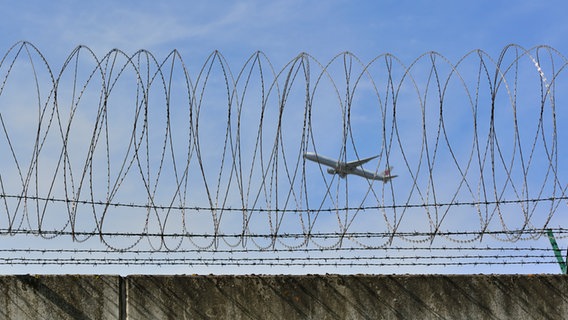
(331, 171)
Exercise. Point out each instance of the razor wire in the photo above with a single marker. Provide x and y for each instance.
(139, 153)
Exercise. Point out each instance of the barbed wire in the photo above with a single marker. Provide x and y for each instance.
(329, 235)
(333, 262)
(149, 155)
(548, 249)
(388, 257)
(260, 209)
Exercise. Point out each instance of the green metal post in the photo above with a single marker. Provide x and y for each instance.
(557, 252)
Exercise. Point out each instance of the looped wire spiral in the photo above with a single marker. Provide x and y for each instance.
(142, 153)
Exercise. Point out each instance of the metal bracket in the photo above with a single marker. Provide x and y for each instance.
(557, 252)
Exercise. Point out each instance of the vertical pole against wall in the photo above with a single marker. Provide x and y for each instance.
(122, 300)
(557, 252)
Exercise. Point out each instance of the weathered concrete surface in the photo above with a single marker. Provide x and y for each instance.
(348, 297)
(59, 297)
(285, 297)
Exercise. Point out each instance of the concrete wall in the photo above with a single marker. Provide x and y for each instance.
(285, 297)
(59, 297)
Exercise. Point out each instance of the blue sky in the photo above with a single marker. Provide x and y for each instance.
(283, 29)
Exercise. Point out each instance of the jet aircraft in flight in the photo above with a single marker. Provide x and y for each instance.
(353, 167)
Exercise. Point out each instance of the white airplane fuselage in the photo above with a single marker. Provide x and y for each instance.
(344, 168)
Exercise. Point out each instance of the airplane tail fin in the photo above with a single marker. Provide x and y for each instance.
(386, 175)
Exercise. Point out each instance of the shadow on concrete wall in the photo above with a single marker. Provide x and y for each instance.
(285, 297)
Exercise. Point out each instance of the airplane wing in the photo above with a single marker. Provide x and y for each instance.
(356, 163)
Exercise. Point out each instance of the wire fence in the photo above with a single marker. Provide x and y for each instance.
(130, 160)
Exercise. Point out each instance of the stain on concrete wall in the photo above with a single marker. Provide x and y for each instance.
(58, 297)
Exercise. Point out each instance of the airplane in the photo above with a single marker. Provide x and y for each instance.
(353, 167)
